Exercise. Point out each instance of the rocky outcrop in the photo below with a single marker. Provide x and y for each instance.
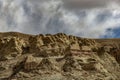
(67, 57)
(35, 42)
(11, 47)
(31, 63)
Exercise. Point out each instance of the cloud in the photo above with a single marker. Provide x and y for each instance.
(91, 18)
(88, 4)
(85, 4)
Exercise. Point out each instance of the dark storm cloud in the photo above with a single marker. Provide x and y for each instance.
(87, 4)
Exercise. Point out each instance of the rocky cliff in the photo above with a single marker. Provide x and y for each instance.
(58, 57)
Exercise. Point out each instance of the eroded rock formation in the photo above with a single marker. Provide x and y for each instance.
(58, 57)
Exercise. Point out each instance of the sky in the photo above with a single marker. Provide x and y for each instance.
(83, 18)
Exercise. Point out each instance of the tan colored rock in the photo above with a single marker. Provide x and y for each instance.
(46, 64)
(61, 35)
(72, 38)
(31, 63)
(70, 64)
(36, 40)
(23, 74)
(85, 48)
(47, 40)
(60, 40)
(88, 64)
(107, 48)
(75, 46)
(11, 46)
(35, 57)
(35, 43)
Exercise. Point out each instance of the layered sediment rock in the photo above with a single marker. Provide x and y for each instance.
(11, 47)
(35, 57)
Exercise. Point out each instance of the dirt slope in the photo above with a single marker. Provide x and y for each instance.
(58, 57)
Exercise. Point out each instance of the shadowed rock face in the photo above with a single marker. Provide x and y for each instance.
(58, 57)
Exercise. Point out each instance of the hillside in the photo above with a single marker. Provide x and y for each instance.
(58, 57)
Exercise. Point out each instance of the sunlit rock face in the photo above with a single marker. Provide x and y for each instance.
(88, 18)
(58, 56)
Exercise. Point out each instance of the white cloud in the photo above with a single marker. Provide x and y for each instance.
(52, 16)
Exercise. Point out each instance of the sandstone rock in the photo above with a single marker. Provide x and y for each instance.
(85, 48)
(73, 38)
(61, 35)
(31, 63)
(116, 53)
(35, 43)
(35, 57)
(23, 74)
(2, 68)
(47, 40)
(11, 46)
(60, 40)
(88, 64)
(5, 74)
(46, 65)
(70, 64)
(75, 46)
(88, 42)
(101, 51)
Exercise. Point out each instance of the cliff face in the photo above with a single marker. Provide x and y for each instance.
(58, 57)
